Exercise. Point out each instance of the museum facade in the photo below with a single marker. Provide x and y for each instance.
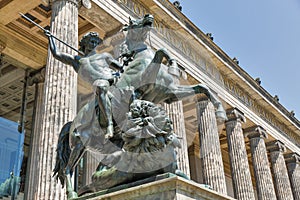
(254, 154)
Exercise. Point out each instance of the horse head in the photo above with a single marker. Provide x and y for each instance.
(137, 31)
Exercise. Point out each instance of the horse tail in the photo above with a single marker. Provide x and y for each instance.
(63, 152)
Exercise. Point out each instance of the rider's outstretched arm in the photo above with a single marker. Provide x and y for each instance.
(61, 56)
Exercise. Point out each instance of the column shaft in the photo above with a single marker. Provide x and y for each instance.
(59, 97)
(280, 173)
(293, 166)
(262, 171)
(194, 160)
(175, 111)
(240, 171)
(210, 150)
(34, 155)
(90, 164)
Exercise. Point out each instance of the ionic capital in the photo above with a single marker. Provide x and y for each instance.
(202, 98)
(37, 77)
(276, 146)
(292, 158)
(234, 114)
(49, 2)
(255, 132)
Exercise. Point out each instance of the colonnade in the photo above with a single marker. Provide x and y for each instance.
(276, 174)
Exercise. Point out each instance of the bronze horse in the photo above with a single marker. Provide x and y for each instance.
(149, 77)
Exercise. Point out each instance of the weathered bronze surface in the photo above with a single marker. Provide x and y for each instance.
(124, 121)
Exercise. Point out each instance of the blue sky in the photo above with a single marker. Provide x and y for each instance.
(263, 34)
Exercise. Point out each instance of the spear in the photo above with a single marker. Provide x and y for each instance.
(45, 31)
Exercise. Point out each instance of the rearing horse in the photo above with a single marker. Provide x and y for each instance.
(148, 76)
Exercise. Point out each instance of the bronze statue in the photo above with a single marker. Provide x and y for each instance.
(94, 69)
(141, 142)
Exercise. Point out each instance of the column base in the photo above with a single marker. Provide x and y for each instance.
(165, 186)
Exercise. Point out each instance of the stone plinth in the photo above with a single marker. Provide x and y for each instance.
(169, 187)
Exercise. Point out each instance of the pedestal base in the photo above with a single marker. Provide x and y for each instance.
(166, 186)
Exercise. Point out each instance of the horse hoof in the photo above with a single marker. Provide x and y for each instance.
(109, 132)
(72, 195)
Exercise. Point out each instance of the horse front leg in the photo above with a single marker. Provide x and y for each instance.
(71, 194)
(220, 112)
(150, 73)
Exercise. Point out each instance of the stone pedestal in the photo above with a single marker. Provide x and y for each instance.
(293, 166)
(280, 173)
(240, 171)
(59, 101)
(210, 149)
(262, 171)
(165, 187)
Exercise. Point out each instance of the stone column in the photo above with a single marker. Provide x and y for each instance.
(59, 101)
(240, 171)
(175, 111)
(210, 149)
(293, 166)
(262, 171)
(194, 160)
(33, 158)
(280, 173)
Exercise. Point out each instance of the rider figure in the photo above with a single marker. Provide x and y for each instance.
(95, 69)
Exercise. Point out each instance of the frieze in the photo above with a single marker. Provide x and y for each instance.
(205, 63)
(134, 6)
(251, 103)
